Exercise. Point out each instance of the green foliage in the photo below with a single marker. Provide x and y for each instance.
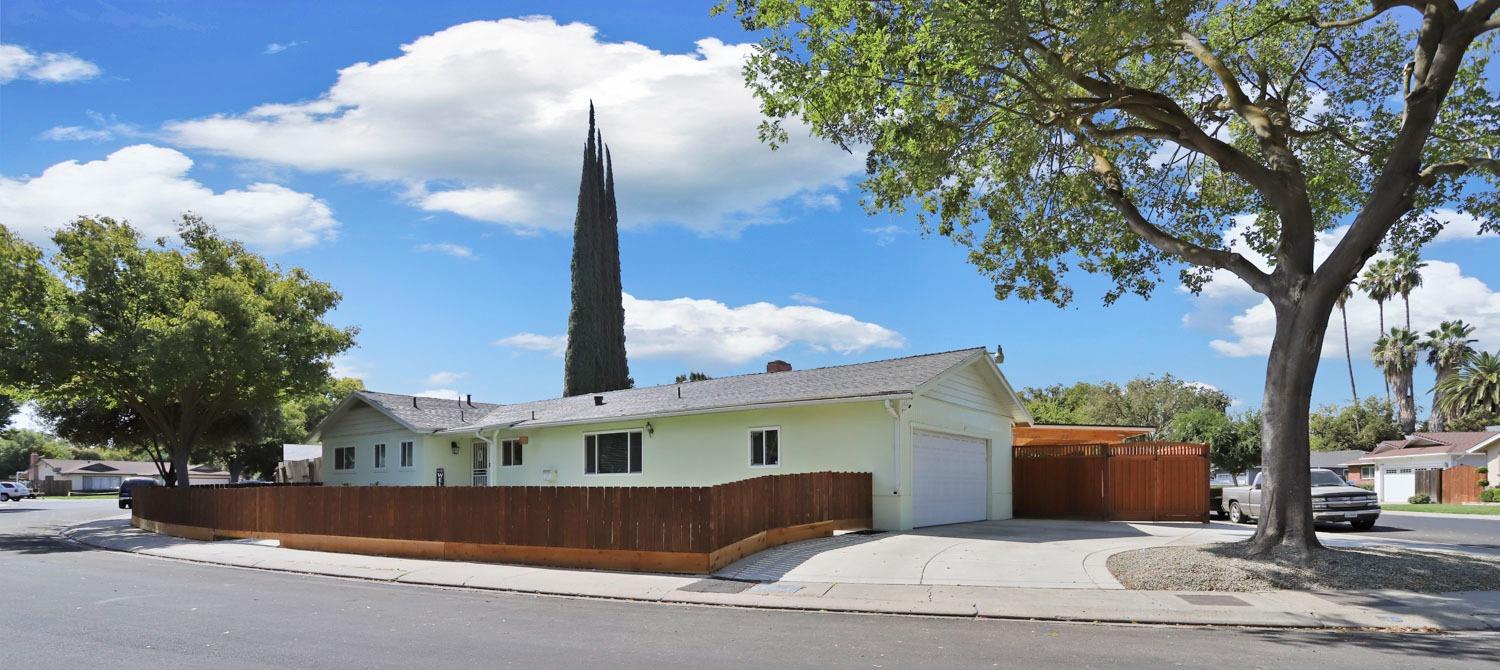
(1395, 353)
(1448, 347)
(158, 347)
(595, 358)
(1489, 495)
(8, 408)
(1484, 483)
(1234, 443)
(1420, 499)
(1362, 426)
(16, 447)
(693, 377)
(1474, 390)
(1368, 486)
(1143, 401)
(1033, 133)
(1482, 470)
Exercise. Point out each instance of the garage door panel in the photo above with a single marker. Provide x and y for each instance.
(1397, 485)
(950, 477)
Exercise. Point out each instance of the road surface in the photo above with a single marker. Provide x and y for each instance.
(84, 607)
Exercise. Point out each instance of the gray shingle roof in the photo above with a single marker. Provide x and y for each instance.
(842, 382)
(427, 414)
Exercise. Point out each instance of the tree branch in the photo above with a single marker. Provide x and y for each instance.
(1436, 171)
(1114, 191)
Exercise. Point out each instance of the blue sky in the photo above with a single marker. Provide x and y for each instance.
(422, 157)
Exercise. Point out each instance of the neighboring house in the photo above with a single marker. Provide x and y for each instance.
(934, 430)
(1337, 461)
(300, 464)
(1393, 464)
(107, 475)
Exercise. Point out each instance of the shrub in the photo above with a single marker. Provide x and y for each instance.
(1368, 486)
(1484, 483)
(1489, 495)
(1482, 469)
(1420, 499)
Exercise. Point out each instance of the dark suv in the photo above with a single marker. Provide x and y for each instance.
(129, 485)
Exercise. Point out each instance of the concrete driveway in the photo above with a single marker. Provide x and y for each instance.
(1033, 553)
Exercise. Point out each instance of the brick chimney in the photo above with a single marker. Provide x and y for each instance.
(778, 365)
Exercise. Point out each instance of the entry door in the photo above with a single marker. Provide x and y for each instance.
(950, 478)
(1397, 484)
(481, 464)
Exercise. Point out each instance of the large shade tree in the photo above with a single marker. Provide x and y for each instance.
(1124, 138)
(170, 342)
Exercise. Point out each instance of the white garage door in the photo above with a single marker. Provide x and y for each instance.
(1397, 484)
(950, 475)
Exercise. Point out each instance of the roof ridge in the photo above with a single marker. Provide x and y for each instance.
(795, 370)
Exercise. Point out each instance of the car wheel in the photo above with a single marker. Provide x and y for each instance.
(1236, 514)
(1363, 524)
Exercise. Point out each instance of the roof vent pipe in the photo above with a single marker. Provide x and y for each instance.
(414, 402)
(598, 400)
(469, 398)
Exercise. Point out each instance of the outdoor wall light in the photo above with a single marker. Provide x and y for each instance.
(649, 429)
(455, 447)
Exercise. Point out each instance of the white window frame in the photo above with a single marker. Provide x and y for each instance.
(407, 455)
(379, 462)
(349, 460)
(750, 445)
(584, 465)
(509, 448)
(1366, 472)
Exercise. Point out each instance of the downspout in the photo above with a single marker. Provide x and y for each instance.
(890, 407)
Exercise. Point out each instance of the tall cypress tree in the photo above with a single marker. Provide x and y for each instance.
(595, 359)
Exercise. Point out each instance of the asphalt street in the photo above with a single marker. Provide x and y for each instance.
(70, 605)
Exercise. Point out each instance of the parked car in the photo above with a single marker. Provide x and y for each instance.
(1334, 500)
(14, 491)
(131, 484)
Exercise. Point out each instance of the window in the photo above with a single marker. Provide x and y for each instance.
(406, 455)
(380, 457)
(510, 453)
(765, 447)
(1366, 472)
(343, 458)
(612, 453)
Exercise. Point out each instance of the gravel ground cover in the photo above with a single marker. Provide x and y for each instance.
(1223, 567)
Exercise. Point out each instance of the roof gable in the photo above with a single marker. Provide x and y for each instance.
(954, 386)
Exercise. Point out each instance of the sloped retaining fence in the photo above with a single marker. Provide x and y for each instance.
(687, 529)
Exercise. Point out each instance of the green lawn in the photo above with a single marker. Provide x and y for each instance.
(1493, 510)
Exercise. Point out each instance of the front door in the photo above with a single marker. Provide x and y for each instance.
(481, 463)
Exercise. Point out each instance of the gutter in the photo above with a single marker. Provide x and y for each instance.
(720, 409)
(890, 407)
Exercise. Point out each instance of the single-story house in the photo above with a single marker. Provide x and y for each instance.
(934, 430)
(1393, 464)
(107, 475)
(1337, 461)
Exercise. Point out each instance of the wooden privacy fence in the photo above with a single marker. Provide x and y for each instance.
(1460, 484)
(693, 529)
(1131, 481)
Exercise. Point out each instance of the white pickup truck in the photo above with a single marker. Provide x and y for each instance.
(1334, 500)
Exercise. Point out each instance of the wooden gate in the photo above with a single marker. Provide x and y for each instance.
(1430, 482)
(1132, 481)
(1460, 484)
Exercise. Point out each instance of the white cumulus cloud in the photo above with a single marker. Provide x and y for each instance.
(711, 331)
(443, 378)
(278, 47)
(17, 62)
(1446, 293)
(487, 120)
(148, 185)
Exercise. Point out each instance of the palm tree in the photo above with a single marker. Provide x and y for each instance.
(1378, 283)
(1348, 353)
(1447, 348)
(1474, 389)
(1406, 276)
(1395, 353)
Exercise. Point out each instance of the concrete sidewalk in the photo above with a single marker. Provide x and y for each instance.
(1386, 610)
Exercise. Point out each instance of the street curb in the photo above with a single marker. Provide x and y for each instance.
(678, 597)
(1443, 515)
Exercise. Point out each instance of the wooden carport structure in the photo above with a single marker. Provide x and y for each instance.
(1093, 472)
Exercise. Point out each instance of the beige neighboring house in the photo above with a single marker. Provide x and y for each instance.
(1393, 464)
(934, 430)
(99, 476)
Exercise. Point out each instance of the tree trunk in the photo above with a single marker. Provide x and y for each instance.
(1286, 501)
(1349, 358)
(1381, 305)
(236, 468)
(180, 463)
(1437, 420)
(1406, 409)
